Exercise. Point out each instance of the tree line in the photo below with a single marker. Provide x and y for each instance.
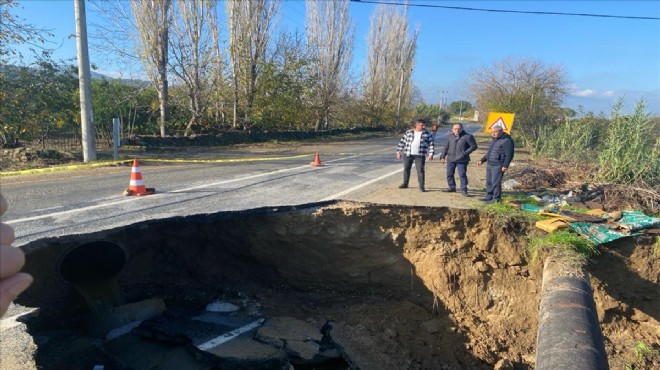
(258, 78)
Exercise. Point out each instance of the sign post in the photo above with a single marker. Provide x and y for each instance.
(115, 134)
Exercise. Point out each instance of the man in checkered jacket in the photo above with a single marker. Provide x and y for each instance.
(414, 146)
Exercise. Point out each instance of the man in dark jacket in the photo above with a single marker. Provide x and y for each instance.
(498, 157)
(457, 153)
(415, 145)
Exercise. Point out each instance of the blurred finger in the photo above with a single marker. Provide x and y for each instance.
(11, 288)
(3, 204)
(6, 234)
(11, 260)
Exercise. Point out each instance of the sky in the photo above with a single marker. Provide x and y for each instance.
(605, 58)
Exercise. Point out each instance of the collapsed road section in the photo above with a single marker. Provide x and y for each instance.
(331, 285)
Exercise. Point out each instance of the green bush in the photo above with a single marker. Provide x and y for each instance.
(575, 138)
(631, 151)
(626, 147)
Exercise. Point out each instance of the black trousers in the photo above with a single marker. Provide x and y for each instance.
(419, 160)
(494, 182)
(462, 174)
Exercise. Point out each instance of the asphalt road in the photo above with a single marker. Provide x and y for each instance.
(89, 200)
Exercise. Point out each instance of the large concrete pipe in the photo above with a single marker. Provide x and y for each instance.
(569, 336)
(92, 268)
(90, 262)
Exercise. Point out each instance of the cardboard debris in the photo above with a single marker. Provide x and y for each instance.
(552, 224)
(596, 212)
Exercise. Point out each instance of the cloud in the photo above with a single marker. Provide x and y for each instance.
(585, 92)
(608, 93)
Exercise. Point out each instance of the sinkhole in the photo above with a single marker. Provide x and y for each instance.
(332, 285)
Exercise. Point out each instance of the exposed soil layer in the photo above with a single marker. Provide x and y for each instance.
(405, 287)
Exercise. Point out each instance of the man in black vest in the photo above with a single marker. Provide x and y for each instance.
(457, 153)
(498, 157)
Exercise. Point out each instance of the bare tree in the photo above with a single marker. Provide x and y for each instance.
(251, 24)
(330, 43)
(529, 88)
(216, 72)
(391, 59)
(14, 30)
(152, 20)
(194, 49)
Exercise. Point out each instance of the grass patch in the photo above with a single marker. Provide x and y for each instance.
(505, 211)
(656, 246)
(644, 351)
(562, 240)
(645, 354)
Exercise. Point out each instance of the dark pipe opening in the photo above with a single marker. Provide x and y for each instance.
(92, 262)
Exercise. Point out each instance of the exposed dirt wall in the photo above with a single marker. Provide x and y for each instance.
(406, 287)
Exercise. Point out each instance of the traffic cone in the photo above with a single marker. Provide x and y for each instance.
(136, 185)
(317, 161)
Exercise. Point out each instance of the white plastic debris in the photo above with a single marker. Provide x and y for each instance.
(510, 184)
(219, 306)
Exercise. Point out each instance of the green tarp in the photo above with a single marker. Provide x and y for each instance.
(597, 233)
(636, 220)
(628, 225)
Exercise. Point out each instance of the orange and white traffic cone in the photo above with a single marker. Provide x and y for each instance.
(317, 161)
(136, 185)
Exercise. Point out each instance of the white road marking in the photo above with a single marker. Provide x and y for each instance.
(238, 179)
(118, 332)
(335, 196)
(226, 337)
(55, 214)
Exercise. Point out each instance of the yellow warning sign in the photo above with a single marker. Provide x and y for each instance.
(497, 119)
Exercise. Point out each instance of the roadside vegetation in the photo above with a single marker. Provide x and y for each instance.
(625, 148)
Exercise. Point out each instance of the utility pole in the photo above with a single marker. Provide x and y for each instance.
(84, 83)
(442, 99)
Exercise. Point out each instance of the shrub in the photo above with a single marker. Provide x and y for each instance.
(575, 138)
(631, 151)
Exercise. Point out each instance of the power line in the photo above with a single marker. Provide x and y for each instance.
(505, 11)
